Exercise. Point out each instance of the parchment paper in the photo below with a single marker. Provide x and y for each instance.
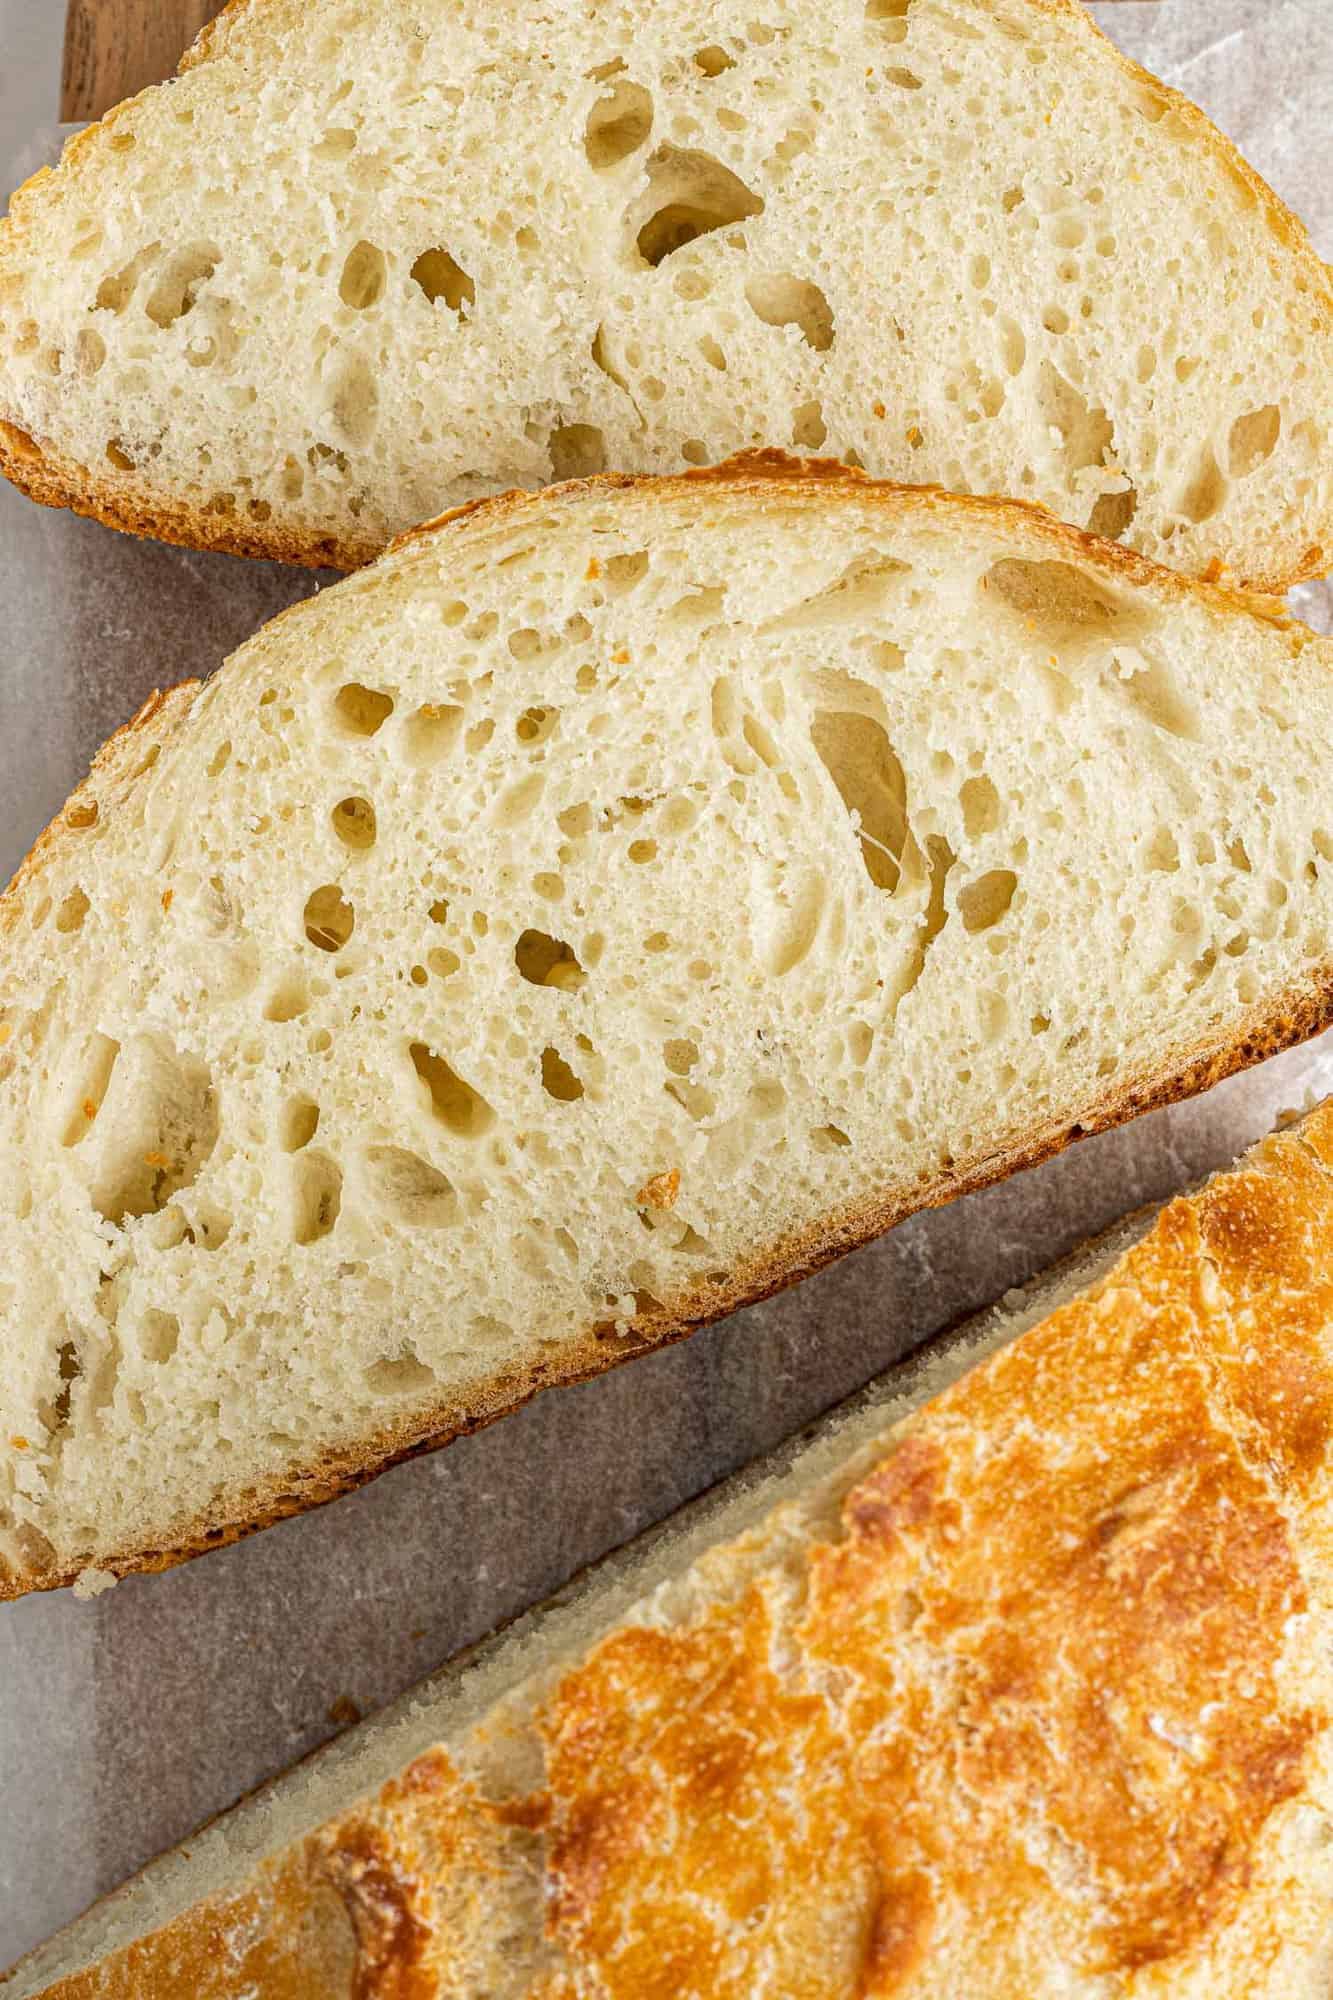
(126, 1721)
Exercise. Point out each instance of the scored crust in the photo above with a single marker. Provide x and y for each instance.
(1279, 1024)
(131, 504)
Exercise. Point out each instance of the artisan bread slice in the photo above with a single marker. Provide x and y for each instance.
(1021, 1689)
(370, 258)
(611, 905)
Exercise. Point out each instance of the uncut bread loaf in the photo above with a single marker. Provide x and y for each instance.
(1011, 1684)
(367, 259)
(603, 910)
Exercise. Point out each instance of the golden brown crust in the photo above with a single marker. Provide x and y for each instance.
(130, 504)
(1279, 1024)
(1041, 1710)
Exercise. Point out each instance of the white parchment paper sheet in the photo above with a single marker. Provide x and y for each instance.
(126, 1721)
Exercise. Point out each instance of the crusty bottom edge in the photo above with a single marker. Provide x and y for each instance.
(1290, 1019)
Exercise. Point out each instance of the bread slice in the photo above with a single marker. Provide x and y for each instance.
(1021, 1689)
(367, 259)
(607, 908)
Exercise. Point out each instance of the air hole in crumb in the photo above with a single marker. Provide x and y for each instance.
(1113, 513)
(1206, 491)
(300, 1122)
(535, 725)
(983, 902)
(782, 300)
(180, 283)
(90, 351)
(691, 194)
(401, 1375)
(159, 1335)
(72, 911)
(94, 1076)
(861, 761)
(558, 1079)
(863, 589)
(410, 1188)
(906, 79)
(981, 807)
(354, 400)
(808, 427)
(618, 124)
(337, 143)
(363, 276)
(622, 572)
(518, 800)
(1055, 599)
(455, 1103)
(940, 860)
(288, 1002)
(829, 1138)
(1085, 429)
(712, 353)
(1155, 694)
(431, 731)
(362, 710)
(317, 1186)
(548, 961)
(1253, 440)
(1162, 856)
(329, 917)
(354, 823)
(118, 287)
(441, 277)
(156, 1126)
(713, 60)
(118, 455)
(576, 451)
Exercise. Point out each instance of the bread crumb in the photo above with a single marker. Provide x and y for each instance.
(92, 1582)
(661, 1191)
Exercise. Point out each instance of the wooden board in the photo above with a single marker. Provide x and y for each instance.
(115, 47)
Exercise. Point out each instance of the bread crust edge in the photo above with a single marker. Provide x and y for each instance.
(131, 505)
(1285, 1021)
(1292, 1018)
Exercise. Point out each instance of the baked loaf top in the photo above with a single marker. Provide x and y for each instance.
(367, 259)
(1027, 1695)
(608, 907)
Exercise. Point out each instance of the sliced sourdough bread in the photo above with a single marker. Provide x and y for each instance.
(602, 911)
(367, 259)
(1022, 1690)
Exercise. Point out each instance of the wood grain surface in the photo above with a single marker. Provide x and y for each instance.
(115, 47)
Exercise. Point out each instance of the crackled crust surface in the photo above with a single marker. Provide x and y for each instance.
(1030, 1698)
